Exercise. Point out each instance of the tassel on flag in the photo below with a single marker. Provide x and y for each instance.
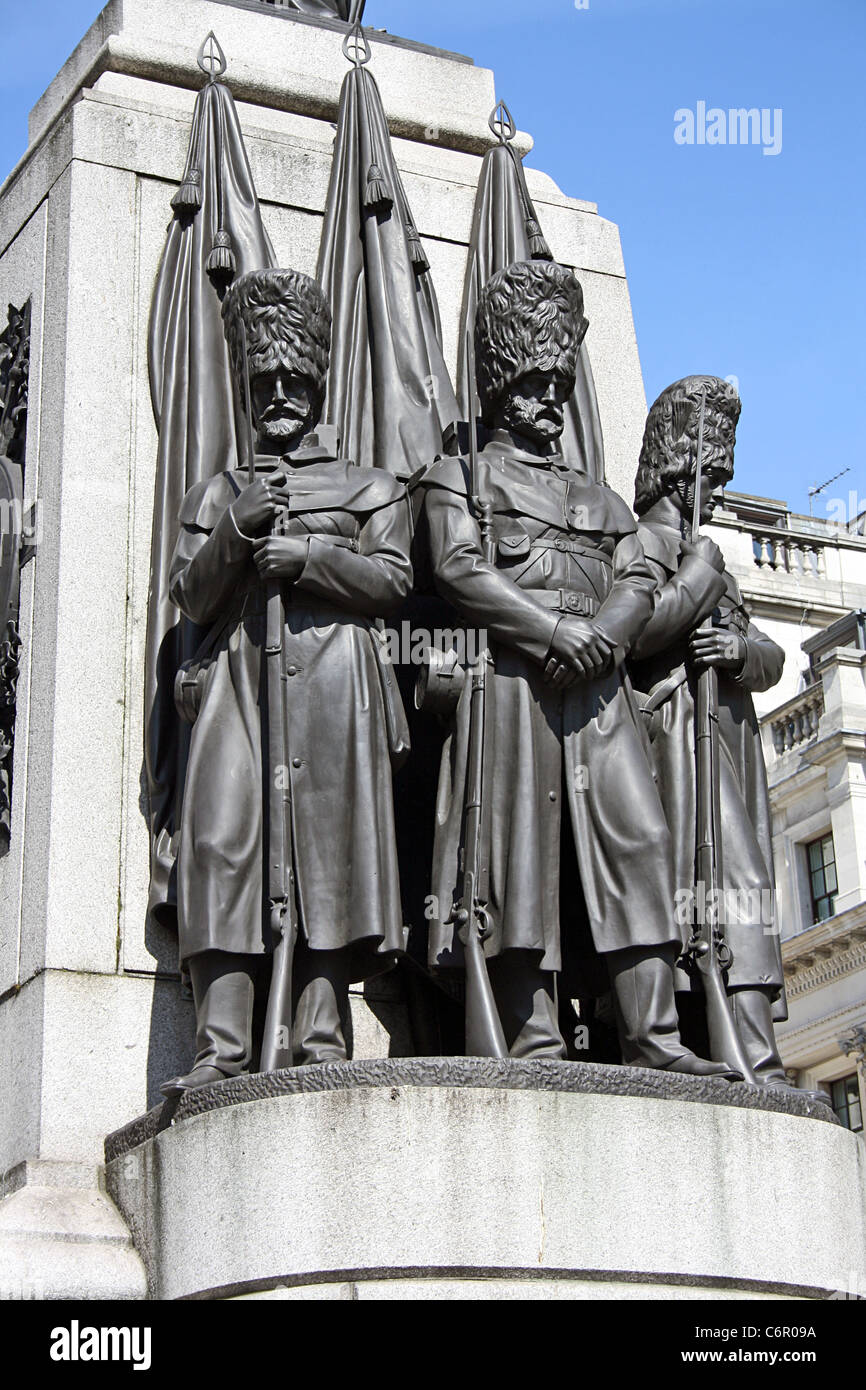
(221, 261)
(538, 247)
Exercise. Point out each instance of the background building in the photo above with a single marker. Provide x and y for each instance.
(804, 580)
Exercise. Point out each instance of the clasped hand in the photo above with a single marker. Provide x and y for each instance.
(705, 549)
(577, 652)
(276, 557)
(259, 503)
(721, 647)
(280, 557)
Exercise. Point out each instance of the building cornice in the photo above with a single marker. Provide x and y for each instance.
(825, 952)
(802, 1045)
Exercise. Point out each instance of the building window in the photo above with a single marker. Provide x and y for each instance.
(822, 877)
(845, 1099)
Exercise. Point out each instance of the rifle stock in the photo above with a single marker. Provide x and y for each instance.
(484, 1035)
(708, 947)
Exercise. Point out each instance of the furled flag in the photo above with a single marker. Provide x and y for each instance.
(336, 9)
(505, 229)
(389, 392)
(216, 232)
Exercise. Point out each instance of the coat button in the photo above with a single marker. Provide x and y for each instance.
(552, 796)
(292, 671)
(297, 762)
(561, 543)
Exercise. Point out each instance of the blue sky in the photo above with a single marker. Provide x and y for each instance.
(739, 263)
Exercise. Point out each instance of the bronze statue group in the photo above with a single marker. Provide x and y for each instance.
(600, 764)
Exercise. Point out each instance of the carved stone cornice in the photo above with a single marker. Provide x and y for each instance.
(826, 952)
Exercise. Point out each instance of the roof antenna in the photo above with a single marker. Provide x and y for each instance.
(815, 491)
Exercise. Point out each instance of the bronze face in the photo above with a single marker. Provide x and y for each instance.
(534, 406)
(284, 408)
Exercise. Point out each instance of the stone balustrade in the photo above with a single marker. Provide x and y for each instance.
(784, 553)
(797, 721)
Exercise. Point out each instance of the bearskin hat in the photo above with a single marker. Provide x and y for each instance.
(530, 318)
(287, 320)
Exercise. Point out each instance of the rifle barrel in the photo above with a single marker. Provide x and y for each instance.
(277, 1039)
(248, 411)
(726, 1044)
(484, 1033)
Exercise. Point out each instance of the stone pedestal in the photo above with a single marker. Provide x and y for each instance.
(460, 1179)
(61, 1237)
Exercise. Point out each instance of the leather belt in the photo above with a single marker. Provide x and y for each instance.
(344, 542)
(565, 601)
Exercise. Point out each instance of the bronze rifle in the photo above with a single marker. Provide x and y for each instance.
(709, 950)
(484, 1034)
(283, 912)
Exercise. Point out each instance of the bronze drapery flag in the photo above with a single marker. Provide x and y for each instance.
(389, 391)
(332, 9)
(505, 228)
(216, 232)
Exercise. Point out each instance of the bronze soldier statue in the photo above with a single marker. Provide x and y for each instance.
(565, 767)
(699, 621)
(324, 545)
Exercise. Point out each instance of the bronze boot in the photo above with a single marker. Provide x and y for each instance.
(222, 986)
(643, 991)
(753, 1015)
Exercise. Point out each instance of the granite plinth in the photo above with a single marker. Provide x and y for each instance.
(455, 1178)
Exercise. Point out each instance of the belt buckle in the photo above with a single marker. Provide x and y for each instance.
(572, 603)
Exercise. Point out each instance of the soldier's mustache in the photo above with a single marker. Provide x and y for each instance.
(283, 429)
(537, 413)
(547, 416)
(283, 412)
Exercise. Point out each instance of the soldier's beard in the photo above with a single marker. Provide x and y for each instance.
(283, 429)
(536, 420)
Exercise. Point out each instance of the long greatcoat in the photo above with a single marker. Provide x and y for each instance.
(692, 594)
(560, 538)
(357, 522)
